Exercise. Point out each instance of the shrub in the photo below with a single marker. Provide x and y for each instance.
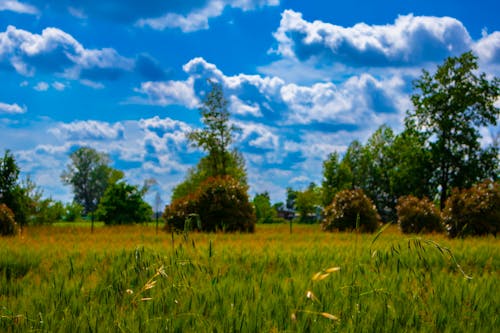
(179, 211)
(221, 203)
(473, 211)
(346, 208)
(418, 215)
(8, 225)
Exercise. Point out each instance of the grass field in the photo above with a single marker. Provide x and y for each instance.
(128, 279)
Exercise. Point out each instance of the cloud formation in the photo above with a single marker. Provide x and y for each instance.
(57, 52)
(18, 7)
(188, 16)
(12, 108)
(410, 40)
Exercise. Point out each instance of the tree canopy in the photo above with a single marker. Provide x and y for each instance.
(89, 174)
(450, 106)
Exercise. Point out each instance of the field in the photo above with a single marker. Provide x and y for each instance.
(129, 279)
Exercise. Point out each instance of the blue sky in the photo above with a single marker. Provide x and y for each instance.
(304, 79)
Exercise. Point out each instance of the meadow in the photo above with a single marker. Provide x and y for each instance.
(130, 279)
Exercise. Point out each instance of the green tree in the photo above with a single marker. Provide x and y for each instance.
(12, 194)
(264, 212)
(123, 204)
(216, 137)
(450, 106)
(337, 176)
(89, 175)
(411, 172)
(308, 203)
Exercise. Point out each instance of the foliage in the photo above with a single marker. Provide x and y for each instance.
(411, 161)
(351, 209)
(8, 225)
(450, 107)
(418, 215)
(235, 167)
(89, 174)
(264, 212)
(73, 212)
(123, 204)
(216, 137)
(336, 177)
(12, 193)
(48, 211)
(474, 211)
(220, 203)
(307, 204)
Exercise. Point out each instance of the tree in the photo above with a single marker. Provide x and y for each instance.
(411, 172)
(336, 177)
(264, 212)
(123, 204)
(12, 194)
(235, 167)
(89, 175)
(216, 137)
(449, 109)
(307, 203)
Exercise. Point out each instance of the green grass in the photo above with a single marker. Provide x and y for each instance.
(128, 279)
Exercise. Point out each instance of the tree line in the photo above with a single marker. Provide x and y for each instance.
(438, 150)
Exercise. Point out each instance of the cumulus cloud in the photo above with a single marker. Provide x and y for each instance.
(169, 93)
(88, 130)
(41, 86)
(409, 40)
(197, 18)
(18, 7)
(12, 108)
(57, 52)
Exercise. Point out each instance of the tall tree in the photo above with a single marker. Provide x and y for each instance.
(337, 176)
(216, 137)
(449, 108)
(12, 193)
(89, 174)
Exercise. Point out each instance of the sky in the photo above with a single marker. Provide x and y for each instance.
(303, 79)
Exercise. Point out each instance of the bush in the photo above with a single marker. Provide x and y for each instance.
(221, 203)
(346, 208)
(418, 215)
(8, 225)
(474, 211)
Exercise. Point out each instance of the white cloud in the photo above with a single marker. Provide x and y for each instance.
(170, 92)
(61, 54)
(12, 108)
(240, 108)
(198, 18)
(41, 86)
(88, 130)
(409, 40)
(18, 7)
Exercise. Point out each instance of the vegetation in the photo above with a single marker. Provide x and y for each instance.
(418, 215)
(264, 212)
(125, 278)
(123, 204)
(473, 211)
(219, 204)
(451, 106)
(8, 226)
(89, 175)
(351, 209)
(12, 193)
